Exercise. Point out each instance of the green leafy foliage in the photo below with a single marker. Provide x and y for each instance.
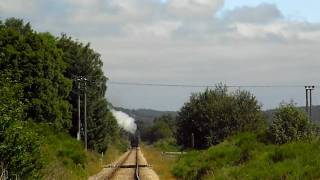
(35, 62)
(63, 156)
(214, 115)
(38, 103)
(167, 145)
(244, 157)
(20, 151)
(82, 61)
(163, 128)
(19, 146)
(289, 124)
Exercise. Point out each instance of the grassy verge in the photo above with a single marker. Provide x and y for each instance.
(166, 145)
(244, 157)
(160, 164)
(64, 157)
(95, 161)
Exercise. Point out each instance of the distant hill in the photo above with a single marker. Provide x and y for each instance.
(145, 116)
(315, 113)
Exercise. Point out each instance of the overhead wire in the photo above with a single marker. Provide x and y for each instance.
(202, 86)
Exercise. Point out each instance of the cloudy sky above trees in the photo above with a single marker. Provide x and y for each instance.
(197, 42)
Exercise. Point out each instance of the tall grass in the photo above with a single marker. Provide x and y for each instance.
(65, 158)
(168, 144)
(244, 157)
(160, 164)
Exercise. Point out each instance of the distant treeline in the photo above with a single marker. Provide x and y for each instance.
(210, 117)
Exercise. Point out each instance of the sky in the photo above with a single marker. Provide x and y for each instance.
(292, 9)
(196, 42)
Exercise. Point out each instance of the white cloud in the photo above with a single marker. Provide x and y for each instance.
(18, 7)
(162, 29)
(195, 8)
(259, 14)
(181, 41)
(262, 31)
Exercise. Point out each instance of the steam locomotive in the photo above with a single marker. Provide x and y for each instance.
(135, 139)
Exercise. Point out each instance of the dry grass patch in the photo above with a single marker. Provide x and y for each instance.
(162, 165)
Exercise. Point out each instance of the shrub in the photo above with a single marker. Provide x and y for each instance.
(244, 157)
(168, 144)
(289, 124)
(20, 151)
(19, 145)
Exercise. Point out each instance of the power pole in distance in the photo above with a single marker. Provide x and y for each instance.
(79, 112)
(307, 101)
(309, 90)
(192, 140)
(85, 115)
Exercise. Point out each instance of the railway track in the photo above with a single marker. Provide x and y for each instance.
(128, 168)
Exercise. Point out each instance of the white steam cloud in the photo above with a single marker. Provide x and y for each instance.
(125, 121)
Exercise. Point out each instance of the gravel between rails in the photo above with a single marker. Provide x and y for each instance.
(124, 173)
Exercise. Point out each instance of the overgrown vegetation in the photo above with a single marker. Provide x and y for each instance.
(167, 145)
(20, 146)
(33, 61)
(65, 158)
(163, 127)
(215, 114)
(289, 124)
(161, 164)
(245, 157)
(82, 61)
(38, 104)
(288, 148)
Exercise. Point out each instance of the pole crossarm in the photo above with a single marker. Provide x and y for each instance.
(309, 90)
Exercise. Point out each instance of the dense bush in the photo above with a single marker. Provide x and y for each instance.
(20, 151)
(215, 114)
(19, 145)
(290, 123)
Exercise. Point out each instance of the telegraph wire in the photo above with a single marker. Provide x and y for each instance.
(202, 86)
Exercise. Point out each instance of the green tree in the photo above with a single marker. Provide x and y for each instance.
(19, 146)
(290, 124)
(36, 63)
(213, 115)
(163, 127)
(82, 61)
(168, 119)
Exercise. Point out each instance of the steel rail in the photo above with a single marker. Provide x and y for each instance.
(137, 175)
(119, 165)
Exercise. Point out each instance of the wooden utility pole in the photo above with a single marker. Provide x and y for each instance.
(310, 107)
(309, 90)
(85, 115)
(192, 140)
(79, 112)
(307, 97)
